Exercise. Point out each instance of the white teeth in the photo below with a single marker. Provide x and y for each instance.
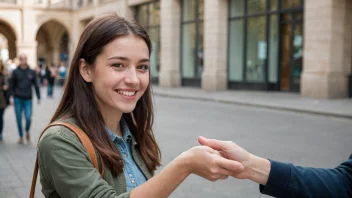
(127, 93)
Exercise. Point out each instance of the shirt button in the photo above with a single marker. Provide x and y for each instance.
(132, 181)
(125, 154)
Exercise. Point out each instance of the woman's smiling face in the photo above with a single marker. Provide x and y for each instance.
(120, 75)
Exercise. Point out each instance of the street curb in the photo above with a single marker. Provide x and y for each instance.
(306, 111)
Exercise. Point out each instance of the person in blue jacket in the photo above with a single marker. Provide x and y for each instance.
(279, 179)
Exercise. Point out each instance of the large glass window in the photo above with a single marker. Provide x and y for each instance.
(256, 49)
(188, 50)
(255, 42)
(192, 39)
(256, 6)
(148, 16)
(236, 50)
(291, 3)
(274, 49)
(236, 8)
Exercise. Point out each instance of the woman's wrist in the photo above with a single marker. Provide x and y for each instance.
(259, 169)
(183, 164)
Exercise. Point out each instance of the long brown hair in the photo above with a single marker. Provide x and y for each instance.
(78, 99)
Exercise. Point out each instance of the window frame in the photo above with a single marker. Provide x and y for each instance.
(266, 84)
(148, 27)
(195, 81)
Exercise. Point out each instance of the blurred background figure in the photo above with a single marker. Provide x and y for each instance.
(3, 95)
(21, 82)
(42, 75)
(10, 66)
(62, 74)
(51, 74)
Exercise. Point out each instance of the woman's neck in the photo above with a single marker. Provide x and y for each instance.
(113, 124)
(111, 119)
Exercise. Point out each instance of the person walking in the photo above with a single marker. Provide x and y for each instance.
(62, 74)
(21, 82)
(3, 95)
(50, 73)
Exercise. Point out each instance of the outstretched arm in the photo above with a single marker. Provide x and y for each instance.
(64, 163)
(286, 180)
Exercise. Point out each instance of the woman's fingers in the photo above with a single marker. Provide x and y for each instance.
(222, 168)
(211, 165)
(230, 165)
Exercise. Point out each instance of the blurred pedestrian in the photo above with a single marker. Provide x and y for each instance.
(3, 95)
(62, 73)
(50, 75)
(10, 66)
(42, 75)
(21, 82)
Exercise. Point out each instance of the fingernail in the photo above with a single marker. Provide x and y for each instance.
(241, 167)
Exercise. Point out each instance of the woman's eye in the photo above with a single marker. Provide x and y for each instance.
(117, 65)
(143, 67)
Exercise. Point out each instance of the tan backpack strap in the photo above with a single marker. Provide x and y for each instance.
(84, 140)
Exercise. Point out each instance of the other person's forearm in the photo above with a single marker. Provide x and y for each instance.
(260, 169)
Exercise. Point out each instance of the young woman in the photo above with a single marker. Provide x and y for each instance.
(108, 95)
(3, 95)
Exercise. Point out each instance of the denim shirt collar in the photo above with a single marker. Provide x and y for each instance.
(126, 133)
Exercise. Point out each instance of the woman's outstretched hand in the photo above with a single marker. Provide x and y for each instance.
(208, 163)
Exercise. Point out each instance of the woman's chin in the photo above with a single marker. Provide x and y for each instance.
(126, 108)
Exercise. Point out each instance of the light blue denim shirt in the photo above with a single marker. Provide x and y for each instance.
(134, 176)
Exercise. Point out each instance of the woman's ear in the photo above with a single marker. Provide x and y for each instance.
(84, 70)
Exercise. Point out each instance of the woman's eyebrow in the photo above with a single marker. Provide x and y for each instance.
(126, 59)
(144, 60)
(118, 57)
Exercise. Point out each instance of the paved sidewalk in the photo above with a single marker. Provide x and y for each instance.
(17, 161)
(272, 100)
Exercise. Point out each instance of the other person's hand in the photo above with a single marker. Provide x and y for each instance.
(207, 163)
(255, 168)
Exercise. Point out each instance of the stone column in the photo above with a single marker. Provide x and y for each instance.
(170, 24)
(29, 49)
(327, 48)
(214, 76)
(128, 10)
(96, 2)
(28, 44)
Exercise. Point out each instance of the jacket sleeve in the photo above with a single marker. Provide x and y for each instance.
(35, 83)
(67, 167)
(287, 180)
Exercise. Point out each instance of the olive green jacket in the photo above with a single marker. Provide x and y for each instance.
(66, 170)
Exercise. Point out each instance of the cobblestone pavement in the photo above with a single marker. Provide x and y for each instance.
(292, 137)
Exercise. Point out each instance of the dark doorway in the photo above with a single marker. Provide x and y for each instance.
(291, 53)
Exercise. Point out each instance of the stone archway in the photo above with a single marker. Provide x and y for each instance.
(53, 43)
(7, 31)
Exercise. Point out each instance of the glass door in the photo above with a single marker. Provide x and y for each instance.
(297, 56)
(291, 47)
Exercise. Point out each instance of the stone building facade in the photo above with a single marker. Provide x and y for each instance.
(271, 45)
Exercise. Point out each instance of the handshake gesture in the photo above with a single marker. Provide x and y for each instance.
(216, 160)
(220, 159)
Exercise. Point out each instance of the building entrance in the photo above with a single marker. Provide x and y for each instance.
(291, 52)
